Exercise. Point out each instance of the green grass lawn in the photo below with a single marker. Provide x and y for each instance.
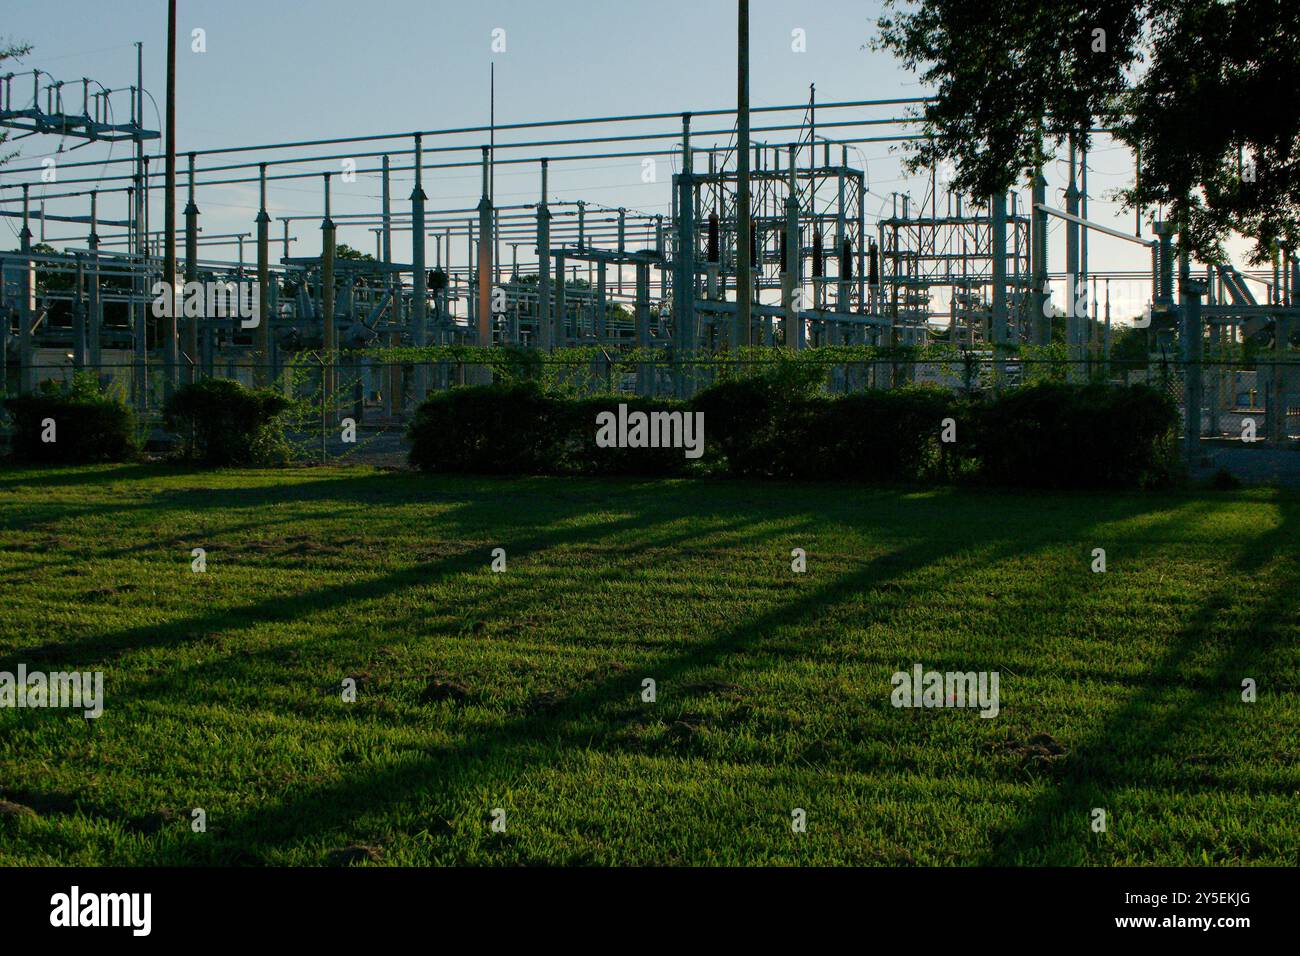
(523, 690)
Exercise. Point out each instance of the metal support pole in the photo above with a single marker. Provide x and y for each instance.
(1277, 404)
(1041, 323)
(95, 303)
(644, 373)
(26, 305)
(386, 232)
(598, 326)
(79, 315)
(684, 274)
(330, 336)
(561, 305)
(191, 323)
(419, 279)
(744, 274)
(170, 344)
(548, 331)
(1073, 336)
(263, 373)
(790, 276)
(485, 261)
(1192, 332)
(841, 226)
(998, 209)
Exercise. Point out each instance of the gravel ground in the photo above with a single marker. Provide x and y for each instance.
(1251, 464)
(383, 447)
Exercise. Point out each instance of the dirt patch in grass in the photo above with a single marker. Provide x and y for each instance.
(10, 809)
(440, 688)
(711, 687)
(152, 823)
(100, 594)
(1037, 747)
(356, 853)
(544, 703)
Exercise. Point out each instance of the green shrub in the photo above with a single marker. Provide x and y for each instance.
(487, 429)
(888, 436)
(1054, 435)
(583, 456)
(220, 422)
(518, 429)
(763, 428)
(741, 421)
(88, 425)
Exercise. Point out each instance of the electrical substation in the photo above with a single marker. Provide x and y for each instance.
(821, 260)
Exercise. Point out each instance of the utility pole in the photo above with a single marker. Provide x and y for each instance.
(419, 279)
(744, 276)
(136, 199)
(169, 210)
(485, 245)
(262, 337)
(191, 323)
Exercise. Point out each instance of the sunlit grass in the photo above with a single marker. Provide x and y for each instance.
(523, 690)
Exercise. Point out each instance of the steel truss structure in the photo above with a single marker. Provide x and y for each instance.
(822, 270)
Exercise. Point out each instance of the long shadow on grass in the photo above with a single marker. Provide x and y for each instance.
(576, 720)
(1056, 830)
(568, 723)
(479, 508)
(466, 521)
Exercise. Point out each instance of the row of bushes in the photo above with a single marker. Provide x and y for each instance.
(776, 425)
(218, 422)
(1051, 435)
(521, 430)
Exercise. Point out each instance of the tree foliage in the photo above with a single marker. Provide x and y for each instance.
(9, 50)
(1201, 89)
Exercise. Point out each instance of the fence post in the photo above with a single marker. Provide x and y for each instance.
(323, 411)
(1192, 290)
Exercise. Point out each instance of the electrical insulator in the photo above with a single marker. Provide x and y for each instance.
(819, 268)
(713, 237)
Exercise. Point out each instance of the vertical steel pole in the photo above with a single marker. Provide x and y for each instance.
(548, 331)
(1039, 321)
(485, 260)
(170, 343)
(1072, 321)
(790, 285)
(330, 336)
(561, 304)
(191, 324)
(999, 242)
(1191, 349)
(26, 305)
(96, 316)
(744, 227)
(262, 339)
(684, 277)
(419, 280)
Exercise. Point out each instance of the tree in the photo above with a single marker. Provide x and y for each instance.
(1200, 89)
(10, 51)
(1130, 346)
(344, 251)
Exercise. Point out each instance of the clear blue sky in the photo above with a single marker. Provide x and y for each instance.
(277, 71)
